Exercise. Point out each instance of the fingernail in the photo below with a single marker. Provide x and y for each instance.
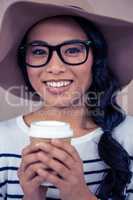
(55, 140)
(39, 144)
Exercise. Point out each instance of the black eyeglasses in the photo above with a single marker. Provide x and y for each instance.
(39, 53)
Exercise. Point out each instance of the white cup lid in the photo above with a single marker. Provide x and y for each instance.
(50, 129)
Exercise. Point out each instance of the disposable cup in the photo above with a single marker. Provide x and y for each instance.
(44, 131)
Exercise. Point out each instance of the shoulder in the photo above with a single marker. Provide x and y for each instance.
(8, 125)
(7, 130)
(124, 134)
(12, 135)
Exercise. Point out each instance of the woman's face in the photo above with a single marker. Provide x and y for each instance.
(58, 83)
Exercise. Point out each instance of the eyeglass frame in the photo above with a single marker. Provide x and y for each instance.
(87, 43)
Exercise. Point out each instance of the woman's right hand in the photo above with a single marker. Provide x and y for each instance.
(30, 181)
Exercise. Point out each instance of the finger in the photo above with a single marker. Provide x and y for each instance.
(55, 165)
(37, 181)
(29, 159)
(58, 154)
(31, 148)
(66, 146)
(51, 178)
(26, 175)
(31, 171)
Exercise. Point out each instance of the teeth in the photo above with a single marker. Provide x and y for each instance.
(57, 84)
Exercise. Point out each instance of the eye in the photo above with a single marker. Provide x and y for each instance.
(38, 51)
(73, 50)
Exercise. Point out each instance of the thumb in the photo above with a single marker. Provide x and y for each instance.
(43, 190)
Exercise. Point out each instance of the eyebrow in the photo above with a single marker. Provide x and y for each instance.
(38, 42)
(41, 42)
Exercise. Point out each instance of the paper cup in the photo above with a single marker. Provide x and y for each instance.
(44, 131)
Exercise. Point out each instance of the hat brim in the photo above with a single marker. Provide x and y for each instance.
(21, 15)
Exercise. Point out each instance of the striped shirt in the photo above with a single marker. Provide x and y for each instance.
(14, 137)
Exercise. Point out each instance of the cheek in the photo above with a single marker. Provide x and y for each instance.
(33, 75)
(86, 78)
(86, 73)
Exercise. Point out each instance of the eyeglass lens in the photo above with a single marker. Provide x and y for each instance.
(37, 55)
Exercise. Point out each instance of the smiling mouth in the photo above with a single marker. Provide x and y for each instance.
(58, 83)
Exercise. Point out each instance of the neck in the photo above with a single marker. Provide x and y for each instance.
(67, 114)
(76, 117)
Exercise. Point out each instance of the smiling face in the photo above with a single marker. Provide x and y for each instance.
(58, 83)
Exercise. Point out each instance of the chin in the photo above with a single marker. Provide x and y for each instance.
(60, 103)
(71, 99)
(63, 103)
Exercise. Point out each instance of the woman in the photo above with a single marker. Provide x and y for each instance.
(63, 60)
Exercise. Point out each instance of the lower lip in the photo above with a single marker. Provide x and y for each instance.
(56, 90)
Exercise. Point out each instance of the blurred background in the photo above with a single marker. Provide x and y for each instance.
(121, 9)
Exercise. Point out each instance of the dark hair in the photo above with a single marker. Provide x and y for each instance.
(110, 151)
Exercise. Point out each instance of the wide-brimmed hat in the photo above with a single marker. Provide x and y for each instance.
(21, 15)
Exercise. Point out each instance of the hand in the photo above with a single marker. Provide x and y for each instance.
(30, 181)
(63, 159)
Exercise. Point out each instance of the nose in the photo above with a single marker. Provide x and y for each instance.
(55, 65)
